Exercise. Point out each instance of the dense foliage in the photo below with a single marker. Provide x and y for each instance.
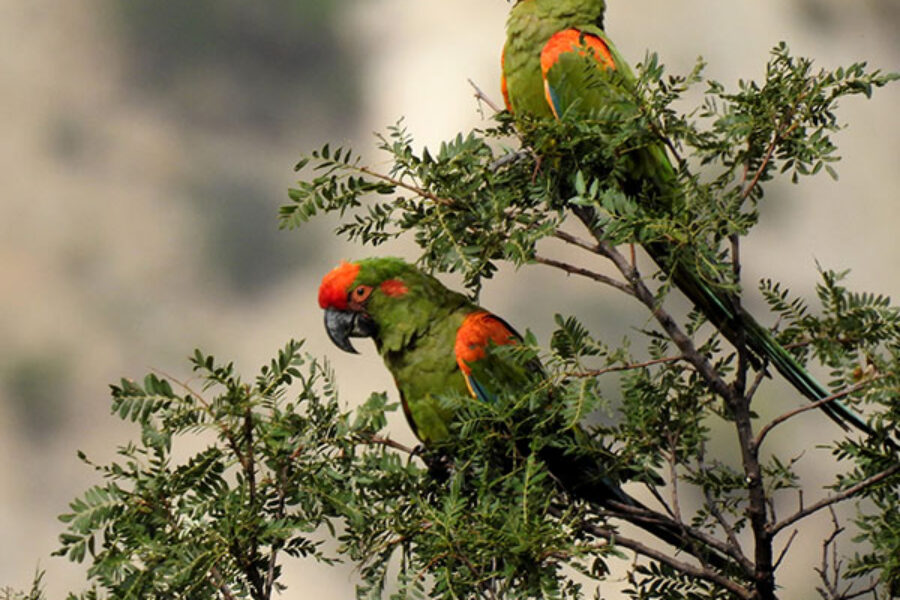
(282, 465)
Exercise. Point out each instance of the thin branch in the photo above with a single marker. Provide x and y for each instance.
(279, 514)
(220, 584)
(681, 339)
(830, 591)
(860, 592)
(784, 550)
(764, 575)
(250, 472)
(573, 270)
(776, 138)
(386, 441)
(754, 387)
(810, 406)
(481, 96)
(673, 478)
(628, 367)
(223, 427)
(402, 184)
(704, 573)
(831, 500)
(577, 241)
(635, 514)
(711, 506)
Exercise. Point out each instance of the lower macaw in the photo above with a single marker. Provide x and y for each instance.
(559, 63)
(436, 342)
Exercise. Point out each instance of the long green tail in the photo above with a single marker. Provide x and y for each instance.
(724, 310)
(737, 325)
(585, 479)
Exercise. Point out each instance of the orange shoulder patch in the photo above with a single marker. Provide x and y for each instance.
(504, 87)
(573, 40)
(336, 284)
(477, 331)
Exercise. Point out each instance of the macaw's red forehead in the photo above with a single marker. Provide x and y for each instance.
(336, 284)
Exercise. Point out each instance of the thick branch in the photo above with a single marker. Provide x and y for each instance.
(739, 406)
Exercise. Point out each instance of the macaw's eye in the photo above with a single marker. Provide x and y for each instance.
(361, 293)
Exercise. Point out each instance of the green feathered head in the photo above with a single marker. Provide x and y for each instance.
(573, 12)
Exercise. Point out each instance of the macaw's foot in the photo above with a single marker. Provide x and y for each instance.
(508, 159)
(440, 465)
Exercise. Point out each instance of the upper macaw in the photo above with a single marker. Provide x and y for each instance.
(436, 342)
(559, 63)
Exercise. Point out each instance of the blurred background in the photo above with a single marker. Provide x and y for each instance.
(147, 145)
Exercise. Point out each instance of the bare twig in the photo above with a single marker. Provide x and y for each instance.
(810, 406)
(830, 591)
(577, 241)
(757, 381)
(702, 572)
(628, 367)
(784, 550)
(831, 500)
(482, 97)
(847, 595)
(573, 270)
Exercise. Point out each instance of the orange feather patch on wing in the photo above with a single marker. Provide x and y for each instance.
(336, 284)
(572, 40)
(394, 287)
(477, 331)
(504, 87)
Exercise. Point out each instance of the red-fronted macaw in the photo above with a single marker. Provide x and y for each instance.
(559, 63)
(436, 342)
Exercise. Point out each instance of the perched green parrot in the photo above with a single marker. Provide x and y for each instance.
(436, 342)
(559, 63)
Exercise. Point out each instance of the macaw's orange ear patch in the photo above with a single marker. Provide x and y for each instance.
(394, 288)
(477, 331)
(336, 284)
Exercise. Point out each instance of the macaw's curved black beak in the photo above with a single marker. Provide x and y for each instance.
(342, 325)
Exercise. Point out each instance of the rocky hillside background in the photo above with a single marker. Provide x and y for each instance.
(146, 146)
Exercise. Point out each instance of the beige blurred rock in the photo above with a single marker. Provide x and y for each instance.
(77, 238)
